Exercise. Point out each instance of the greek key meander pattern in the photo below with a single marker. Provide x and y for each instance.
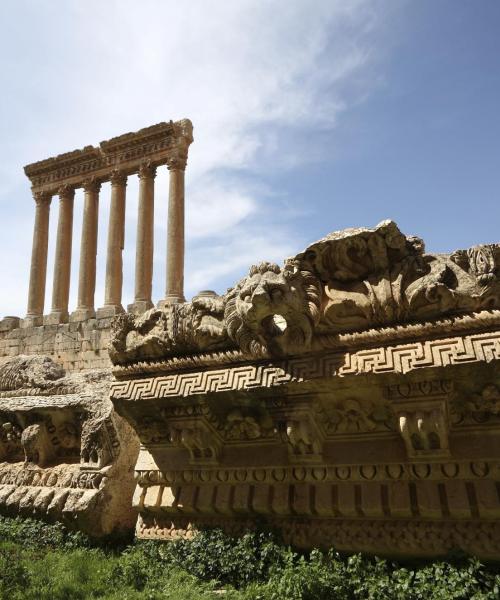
(401, 358)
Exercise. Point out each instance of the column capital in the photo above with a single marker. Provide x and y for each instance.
(42, 197)
(118, 177)
(91, 185)
(147, 171)
(66, 191)
(177, 163)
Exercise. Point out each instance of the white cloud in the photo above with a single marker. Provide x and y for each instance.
(244, 72)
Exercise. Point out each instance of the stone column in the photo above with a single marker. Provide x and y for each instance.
(175, 233)
(88, 253)
(38, 271)
(62, 260)
(116, 238)
(145, 239)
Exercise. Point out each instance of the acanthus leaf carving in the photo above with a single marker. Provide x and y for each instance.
(350, 281)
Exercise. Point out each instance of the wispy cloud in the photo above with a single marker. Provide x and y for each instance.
(256, 78)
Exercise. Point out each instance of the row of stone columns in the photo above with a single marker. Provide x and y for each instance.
(115, 244)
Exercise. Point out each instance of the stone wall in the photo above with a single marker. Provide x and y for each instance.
(75, 346)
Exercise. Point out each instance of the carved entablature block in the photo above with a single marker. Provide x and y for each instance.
(424, 429)
(337, 397)
(10, 441)
(477, 409)
(303, 438)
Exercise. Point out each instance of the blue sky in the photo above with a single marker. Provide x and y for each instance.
(309, 116)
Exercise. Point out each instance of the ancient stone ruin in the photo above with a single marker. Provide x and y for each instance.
(349, 397)
(64, 452)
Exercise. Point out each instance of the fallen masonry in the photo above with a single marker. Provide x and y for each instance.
(64, 453)
(350, 398)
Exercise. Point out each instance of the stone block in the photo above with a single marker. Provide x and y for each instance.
(281, 499)
(399, 499)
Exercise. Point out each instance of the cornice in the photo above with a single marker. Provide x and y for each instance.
(160, 144)
(484, 321)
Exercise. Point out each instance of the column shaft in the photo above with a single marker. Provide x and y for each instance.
(175, 234)
(38, 271)
(116, 239)
(145, 241)
(88, 253)
(62, 261)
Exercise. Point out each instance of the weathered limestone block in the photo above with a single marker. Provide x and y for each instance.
(64, 453)
(349, 398)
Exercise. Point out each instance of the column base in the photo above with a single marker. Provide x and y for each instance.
(139, 307)
(171, 299)
(56, 317)
(31, 321)
(106, 312)
(82, 314)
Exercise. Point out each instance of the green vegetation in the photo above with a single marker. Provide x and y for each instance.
(42, 562)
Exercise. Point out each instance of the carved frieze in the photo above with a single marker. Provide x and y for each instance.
(159, 144)
(330, 394)
(349, 281)
(478, 408)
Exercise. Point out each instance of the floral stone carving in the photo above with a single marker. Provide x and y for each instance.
(342, 398)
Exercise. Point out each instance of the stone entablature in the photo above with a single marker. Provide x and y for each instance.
(350, 398)
(161, 144)
(114, 160)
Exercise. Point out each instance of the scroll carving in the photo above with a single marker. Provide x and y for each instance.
(349, 281)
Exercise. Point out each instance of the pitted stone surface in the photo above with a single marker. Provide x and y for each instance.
(64, 453)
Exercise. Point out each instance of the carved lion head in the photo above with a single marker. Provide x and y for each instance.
(273, 309)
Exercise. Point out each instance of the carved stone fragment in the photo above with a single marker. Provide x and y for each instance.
(343, 398)
(58, 436)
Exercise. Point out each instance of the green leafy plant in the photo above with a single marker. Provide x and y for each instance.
(41, 561)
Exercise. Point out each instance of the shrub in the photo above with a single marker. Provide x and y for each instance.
(42, 562)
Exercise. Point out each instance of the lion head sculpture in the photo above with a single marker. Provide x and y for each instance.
(273, 309)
